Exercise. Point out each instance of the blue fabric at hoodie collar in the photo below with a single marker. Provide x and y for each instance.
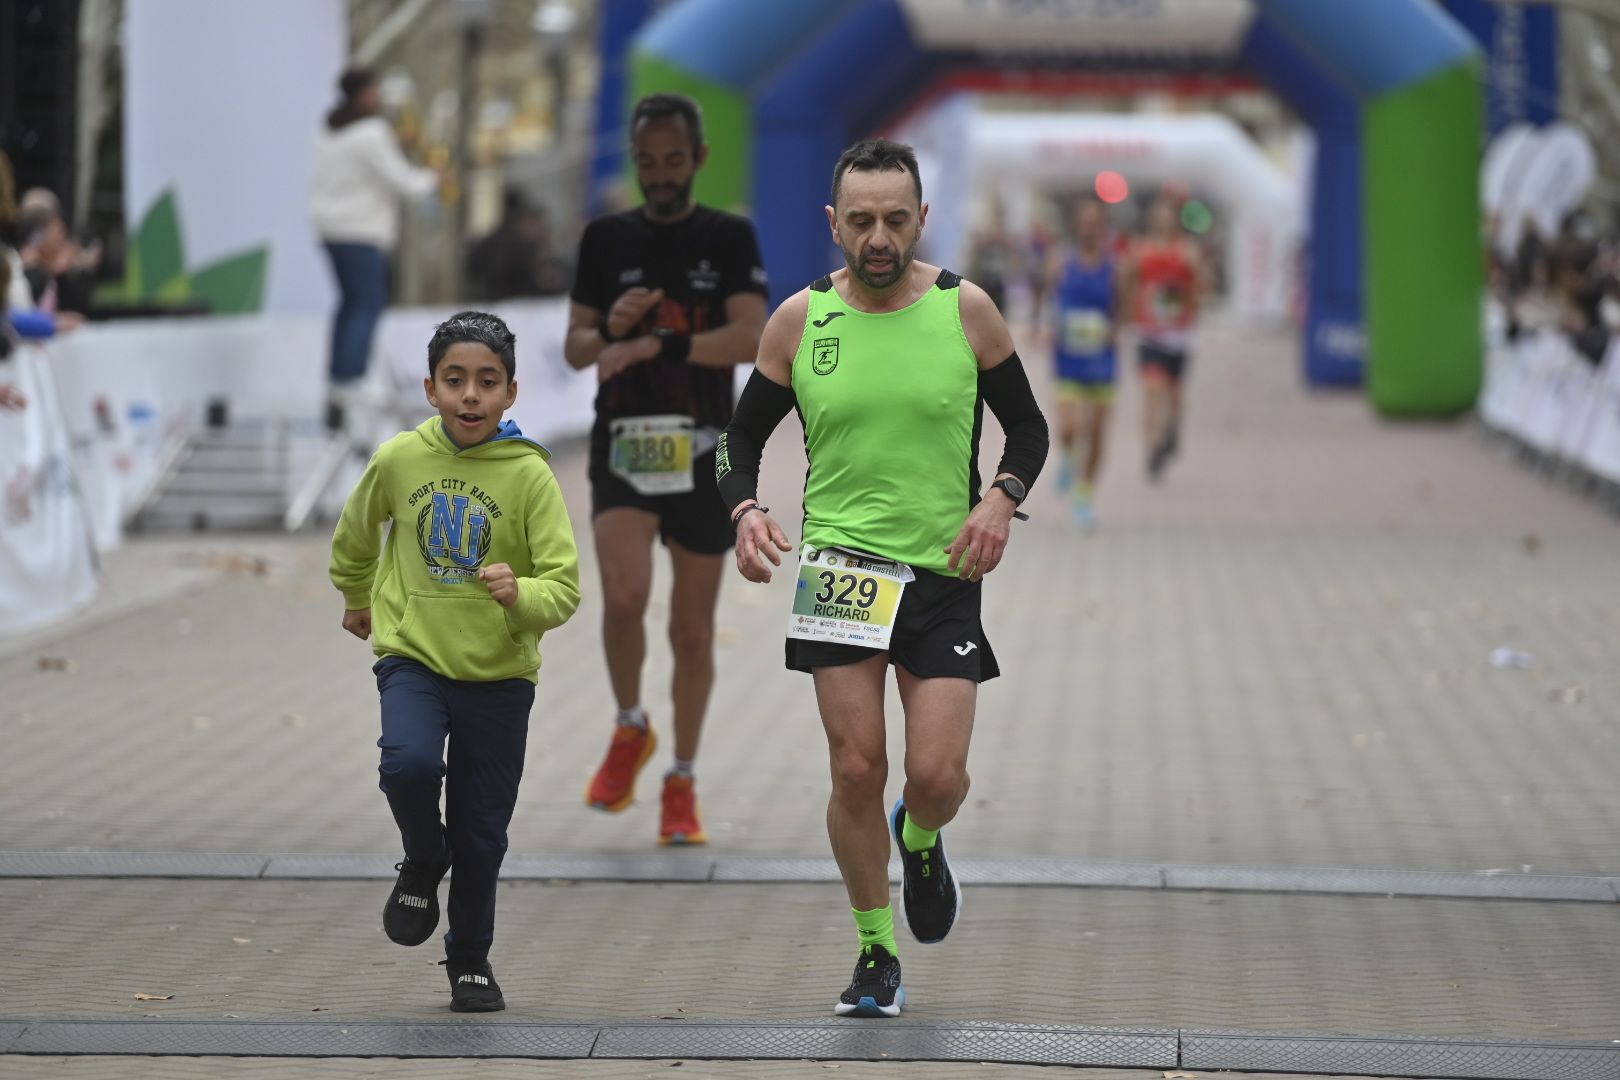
(508, 430)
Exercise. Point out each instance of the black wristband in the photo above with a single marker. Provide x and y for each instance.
(674, 347)
(737, 514)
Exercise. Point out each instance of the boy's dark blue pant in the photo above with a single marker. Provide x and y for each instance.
(487, 724)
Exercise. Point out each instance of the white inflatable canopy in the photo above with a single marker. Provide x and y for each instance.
(1015, 154)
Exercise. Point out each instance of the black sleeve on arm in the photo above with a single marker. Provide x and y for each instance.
(1005, 388)
(736, 459)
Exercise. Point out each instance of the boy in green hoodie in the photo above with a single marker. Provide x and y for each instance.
(478, 563)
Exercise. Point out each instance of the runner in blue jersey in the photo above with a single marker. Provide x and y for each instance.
(1085, 295)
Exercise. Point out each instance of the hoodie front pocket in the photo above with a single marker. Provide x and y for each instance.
(463, 636)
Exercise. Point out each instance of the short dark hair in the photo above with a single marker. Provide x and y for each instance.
(656, 107)
(478, 328)
(876, 155)
(351, 84)
(354, 80)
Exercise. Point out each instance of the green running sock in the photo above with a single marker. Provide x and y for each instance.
(876, 927)
(915, 838)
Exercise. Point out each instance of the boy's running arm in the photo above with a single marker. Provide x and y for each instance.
(358, 539)
(549, 597)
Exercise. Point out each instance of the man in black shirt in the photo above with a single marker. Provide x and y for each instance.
(668, 298)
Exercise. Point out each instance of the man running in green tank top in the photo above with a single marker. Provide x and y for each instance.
(889, 363)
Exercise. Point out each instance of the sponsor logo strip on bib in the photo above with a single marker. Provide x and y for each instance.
(846, 597)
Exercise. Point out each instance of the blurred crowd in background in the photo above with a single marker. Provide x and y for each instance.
(1569, 282)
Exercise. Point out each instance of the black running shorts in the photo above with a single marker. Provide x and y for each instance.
(695, 519)
(1173, 362)
(937, 635)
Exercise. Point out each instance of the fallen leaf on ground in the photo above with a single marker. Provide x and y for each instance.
(57, 663)
(241, 563)
(242, 940)
(154, 997)
(1184, 1076)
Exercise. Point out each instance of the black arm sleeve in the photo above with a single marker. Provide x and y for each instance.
(1005, 388)
(736, 459)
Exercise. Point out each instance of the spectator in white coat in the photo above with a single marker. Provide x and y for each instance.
(360, 177)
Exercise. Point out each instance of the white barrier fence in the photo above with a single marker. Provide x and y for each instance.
(47, 554)
(108, 403)
(1540, 391)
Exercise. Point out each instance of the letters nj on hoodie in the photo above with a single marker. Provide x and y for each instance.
(454, 511)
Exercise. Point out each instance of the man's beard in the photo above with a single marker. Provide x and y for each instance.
(901, 264)
(667, 200)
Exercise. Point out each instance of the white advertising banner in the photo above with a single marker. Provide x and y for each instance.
(1555, 372)
(47, 561)
(1601, 452)
(1156, 28)
(222, 105)
(1541, 391)
(128, 390)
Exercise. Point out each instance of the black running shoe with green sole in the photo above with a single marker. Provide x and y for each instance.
(931, 897)
(875, 991)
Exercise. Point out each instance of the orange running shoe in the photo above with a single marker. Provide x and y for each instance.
(614, 786)
(679, 822)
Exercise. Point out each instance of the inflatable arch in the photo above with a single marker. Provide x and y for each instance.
(1391, 88)
(1013, 152)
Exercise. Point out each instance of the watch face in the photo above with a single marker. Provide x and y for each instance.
(1014, 487)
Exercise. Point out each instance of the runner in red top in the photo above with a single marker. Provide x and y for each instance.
(1168, 278)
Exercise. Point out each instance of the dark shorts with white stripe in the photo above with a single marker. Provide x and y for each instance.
(937, 635)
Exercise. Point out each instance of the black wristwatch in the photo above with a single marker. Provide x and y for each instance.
(1014, 487)
(1016, 491)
